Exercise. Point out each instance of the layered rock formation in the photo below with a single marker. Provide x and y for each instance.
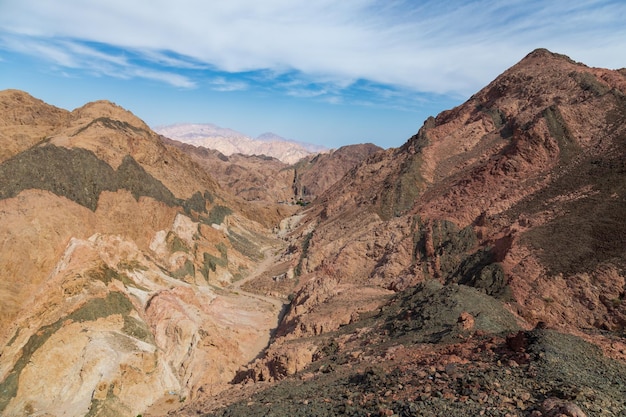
(115, 247)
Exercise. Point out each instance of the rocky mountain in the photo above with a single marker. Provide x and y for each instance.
(264, 179)
(122, 261)
(479, 269)
(117, 255)
(522, 182)
(230, 142)
(315, 174)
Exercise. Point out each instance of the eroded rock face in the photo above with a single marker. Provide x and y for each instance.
(111, 272)
(515, 192)
(121, 334)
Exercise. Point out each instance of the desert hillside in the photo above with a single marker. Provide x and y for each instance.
(119, 259)
(264, 179)
(479, 269)
(514, 198)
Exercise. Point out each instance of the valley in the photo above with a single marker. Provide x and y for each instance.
(478, 269)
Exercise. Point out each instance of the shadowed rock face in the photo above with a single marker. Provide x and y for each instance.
(314, 175)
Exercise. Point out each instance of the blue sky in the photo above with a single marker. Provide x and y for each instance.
(319, 71)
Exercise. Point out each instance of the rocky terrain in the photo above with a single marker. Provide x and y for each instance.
(315, 174)
(479, 269)
(117, 254)
(265, 179)
(229, 142)
(518, 194)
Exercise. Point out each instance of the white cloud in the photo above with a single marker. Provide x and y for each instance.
(441, 47)
(77, 56)
(48, 51)
(222, 84)
(161, 58)
(175, 80)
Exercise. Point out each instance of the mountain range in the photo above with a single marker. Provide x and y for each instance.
(228, 141)
(479, 269)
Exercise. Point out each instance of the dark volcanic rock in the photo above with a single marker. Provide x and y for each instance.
(78, 175)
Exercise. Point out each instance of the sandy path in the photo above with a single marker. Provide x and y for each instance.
(278, 304)
(269, 259)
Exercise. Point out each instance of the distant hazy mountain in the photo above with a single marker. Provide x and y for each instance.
(273, 137)
(229, 141)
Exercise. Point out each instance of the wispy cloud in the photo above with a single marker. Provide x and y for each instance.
(75, 55)
(173, 79)
(223, 84)
(172, 60)
(451, 47)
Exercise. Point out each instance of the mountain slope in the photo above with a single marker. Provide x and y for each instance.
(117, 254)
(267, 180)
(516, 194)
(527, 172)
(25, 121)
(314, 175)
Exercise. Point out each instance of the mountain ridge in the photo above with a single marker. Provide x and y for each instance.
(263, 178)
(128, 246)
(514, 193)
(228, 141)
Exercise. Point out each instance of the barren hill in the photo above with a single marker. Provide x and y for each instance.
(266, 179)
(514, 197)
(117, 254)
(315, 174)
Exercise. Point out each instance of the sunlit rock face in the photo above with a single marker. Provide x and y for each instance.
(115, 247)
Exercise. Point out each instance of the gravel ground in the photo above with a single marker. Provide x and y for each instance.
(419, 356)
